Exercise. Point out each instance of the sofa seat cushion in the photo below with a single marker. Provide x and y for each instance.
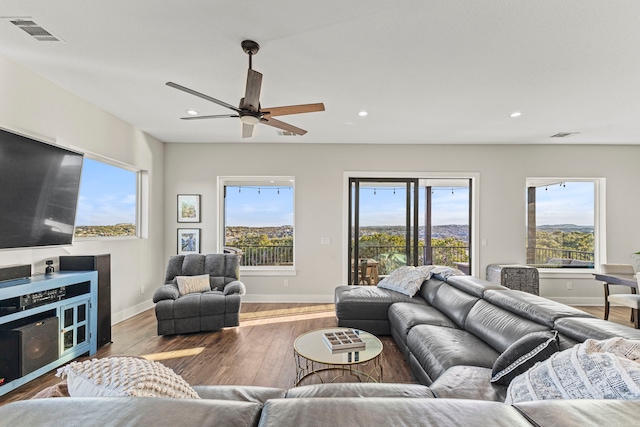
(129, 411)
(377, 411)
(585, 412)
(368, 302)
(404, 316)
(239, 393)
(360, 390)
(468, 382)
(532, 307)
(437, 349)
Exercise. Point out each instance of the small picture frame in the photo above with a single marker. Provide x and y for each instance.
(188, 208)
(188, 241)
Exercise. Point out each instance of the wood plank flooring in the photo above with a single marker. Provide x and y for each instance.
(259, 352)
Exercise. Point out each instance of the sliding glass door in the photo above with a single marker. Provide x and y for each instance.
(407, 221)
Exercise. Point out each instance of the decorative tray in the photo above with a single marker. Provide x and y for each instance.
(343, 341)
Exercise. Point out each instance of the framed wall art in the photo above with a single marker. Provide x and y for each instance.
(188, 241)
(188, 208)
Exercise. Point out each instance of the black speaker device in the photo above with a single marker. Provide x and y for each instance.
(26, 348)
(14, 272)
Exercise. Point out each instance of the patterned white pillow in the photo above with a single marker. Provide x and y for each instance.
(193, 284)
(607, 369)
(124, 376)
(406, 280)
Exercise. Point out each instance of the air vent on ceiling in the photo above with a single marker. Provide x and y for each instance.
(33, 29)
(286, 133)
(564, 134)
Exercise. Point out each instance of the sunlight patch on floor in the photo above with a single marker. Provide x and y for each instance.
(282, 312)
(288, 318)
(174, 354)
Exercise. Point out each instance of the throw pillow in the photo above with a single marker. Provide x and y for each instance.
(124, 376)
(523, 354)
(406, 280)
(193, 284)
(608, 369)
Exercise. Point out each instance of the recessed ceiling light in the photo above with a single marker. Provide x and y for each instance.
(362, 113)
(192, 112)
(515, 114)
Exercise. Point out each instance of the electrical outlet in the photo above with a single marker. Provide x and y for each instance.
(286, 282)
(569, 285)
(141, 289)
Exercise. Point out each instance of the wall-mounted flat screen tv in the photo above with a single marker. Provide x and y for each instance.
(39, 187)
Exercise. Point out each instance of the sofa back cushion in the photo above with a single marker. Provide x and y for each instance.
(498, 327)
(454, 303)
(430, 287)
(532, 307)
(473, 285)
(222, 268)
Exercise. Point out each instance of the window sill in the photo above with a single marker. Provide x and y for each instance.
(268, 271)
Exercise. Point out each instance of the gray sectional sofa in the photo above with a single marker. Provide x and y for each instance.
(317, 405)
(453, 330)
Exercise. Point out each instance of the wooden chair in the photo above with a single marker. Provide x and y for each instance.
(619, 298)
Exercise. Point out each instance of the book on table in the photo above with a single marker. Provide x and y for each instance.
(347, 340)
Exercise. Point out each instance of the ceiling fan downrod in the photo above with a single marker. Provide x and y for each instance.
(250, 48)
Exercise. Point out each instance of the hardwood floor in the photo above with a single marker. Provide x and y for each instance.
(259, 352)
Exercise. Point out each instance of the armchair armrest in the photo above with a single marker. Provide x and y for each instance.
(166, 292)
(235, 287)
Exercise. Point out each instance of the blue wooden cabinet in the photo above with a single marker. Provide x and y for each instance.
(76, 312)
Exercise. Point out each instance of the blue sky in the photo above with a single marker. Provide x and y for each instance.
(107, 195)
(265, 208)
(572, 203)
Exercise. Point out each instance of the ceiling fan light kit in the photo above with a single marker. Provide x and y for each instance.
(249, 110)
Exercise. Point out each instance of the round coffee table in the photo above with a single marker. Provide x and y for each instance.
(313, 356)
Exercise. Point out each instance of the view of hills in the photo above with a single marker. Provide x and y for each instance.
(234, 233)
(117, 230)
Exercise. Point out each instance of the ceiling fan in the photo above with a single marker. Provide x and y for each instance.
(249, 111)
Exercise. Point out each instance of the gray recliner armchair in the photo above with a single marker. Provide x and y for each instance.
(214, 308)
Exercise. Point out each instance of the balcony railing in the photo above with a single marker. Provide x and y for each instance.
(562, 258)
(257, 256)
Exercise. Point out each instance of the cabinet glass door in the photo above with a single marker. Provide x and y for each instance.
(75, 328)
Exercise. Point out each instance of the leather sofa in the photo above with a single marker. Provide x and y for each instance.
(316, 405)
(453, 330)
(216, 308)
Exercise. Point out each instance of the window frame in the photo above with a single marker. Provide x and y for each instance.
(263, 181)
(599, 225)
(141, 179)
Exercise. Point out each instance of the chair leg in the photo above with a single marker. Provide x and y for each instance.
(606, 301)
(634, 314)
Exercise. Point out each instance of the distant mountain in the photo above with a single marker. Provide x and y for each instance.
(566, 228)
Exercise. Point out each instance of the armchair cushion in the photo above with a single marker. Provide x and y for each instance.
(193, 284)
(168, 291)
(235, 287)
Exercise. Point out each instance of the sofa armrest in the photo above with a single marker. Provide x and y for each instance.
(235, 287)
(166, 292)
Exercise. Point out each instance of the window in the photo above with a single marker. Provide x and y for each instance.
(108, 201)
(565, 223)
(258, 221)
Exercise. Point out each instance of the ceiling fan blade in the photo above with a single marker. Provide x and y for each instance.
(247, 130)
(202, 95)
(282, 125)
(293, 109)
(251, 100)
(216, 116)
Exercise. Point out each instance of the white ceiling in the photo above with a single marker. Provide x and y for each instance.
(436, 71)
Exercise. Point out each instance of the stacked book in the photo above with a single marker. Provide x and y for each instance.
(347, 340)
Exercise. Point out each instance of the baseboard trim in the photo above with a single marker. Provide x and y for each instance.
(287, 298)
(131, 311)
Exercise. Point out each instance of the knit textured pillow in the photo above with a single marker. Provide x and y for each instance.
(124, 376)
(193, 284)
(406, 280)
(608, 369)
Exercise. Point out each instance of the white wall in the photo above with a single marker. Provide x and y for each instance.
(38, 108)
(318, 169)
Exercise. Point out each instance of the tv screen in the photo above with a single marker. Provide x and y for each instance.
(39, 186)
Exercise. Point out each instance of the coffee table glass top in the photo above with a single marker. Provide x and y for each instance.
(311, 346)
